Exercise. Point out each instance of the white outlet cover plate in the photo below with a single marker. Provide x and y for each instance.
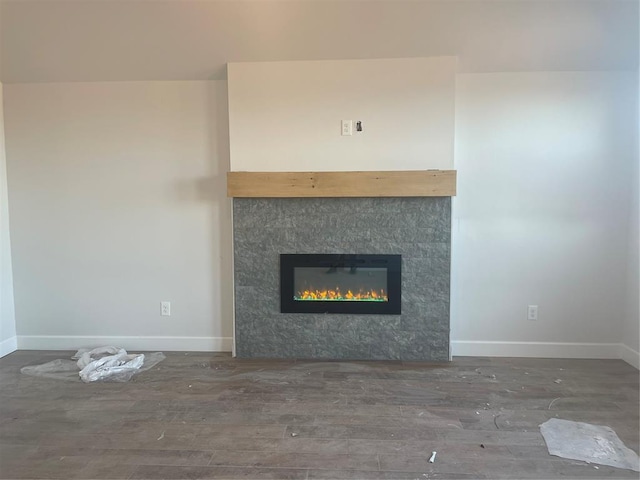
(347, 127)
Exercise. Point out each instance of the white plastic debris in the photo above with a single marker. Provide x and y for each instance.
(557, 381)
(58, 369)
(589, 443)
(109, 364)
(293, 434)
(85, 356)
(433, 457)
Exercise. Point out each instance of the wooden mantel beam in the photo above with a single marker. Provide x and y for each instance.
(415, 183)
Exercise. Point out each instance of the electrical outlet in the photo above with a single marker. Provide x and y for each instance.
(347, 127)
(165, 309)
(532, 312)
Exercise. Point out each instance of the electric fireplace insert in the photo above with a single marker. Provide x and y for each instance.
(334, 283)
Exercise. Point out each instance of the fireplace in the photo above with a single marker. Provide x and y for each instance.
(339, 283)
(416, 228)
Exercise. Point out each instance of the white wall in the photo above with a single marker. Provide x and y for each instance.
(286, 116)
(117, 197)
(65, 41)
(7, 312)
(544, 163)
(118, 202)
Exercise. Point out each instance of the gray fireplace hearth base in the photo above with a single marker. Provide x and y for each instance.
(419, 229)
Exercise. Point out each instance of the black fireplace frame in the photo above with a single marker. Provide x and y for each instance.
(392, 263)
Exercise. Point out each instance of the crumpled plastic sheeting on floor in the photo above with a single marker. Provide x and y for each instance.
(107, 364)
(589, 443)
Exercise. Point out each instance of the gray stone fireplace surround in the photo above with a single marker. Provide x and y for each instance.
(417, 228)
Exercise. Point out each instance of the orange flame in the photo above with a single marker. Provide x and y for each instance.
(337, 295)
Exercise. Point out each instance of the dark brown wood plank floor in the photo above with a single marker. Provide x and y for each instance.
(203, 415)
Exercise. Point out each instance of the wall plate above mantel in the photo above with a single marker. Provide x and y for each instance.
(412, 183)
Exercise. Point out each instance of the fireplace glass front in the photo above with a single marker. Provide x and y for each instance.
(327, 283)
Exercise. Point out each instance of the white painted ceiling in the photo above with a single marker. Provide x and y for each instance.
(55, 41)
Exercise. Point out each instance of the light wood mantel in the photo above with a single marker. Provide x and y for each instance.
(414, 183)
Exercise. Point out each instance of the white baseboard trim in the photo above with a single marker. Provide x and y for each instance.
(629, 355)
(464, 348)
(133, 344)
(459, 348)
(8, 346)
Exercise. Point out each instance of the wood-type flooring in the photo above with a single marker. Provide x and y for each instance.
(207, 415)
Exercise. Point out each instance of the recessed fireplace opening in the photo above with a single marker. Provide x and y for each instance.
(338, 283)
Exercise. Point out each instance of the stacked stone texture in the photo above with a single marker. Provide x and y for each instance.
(419, 229)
